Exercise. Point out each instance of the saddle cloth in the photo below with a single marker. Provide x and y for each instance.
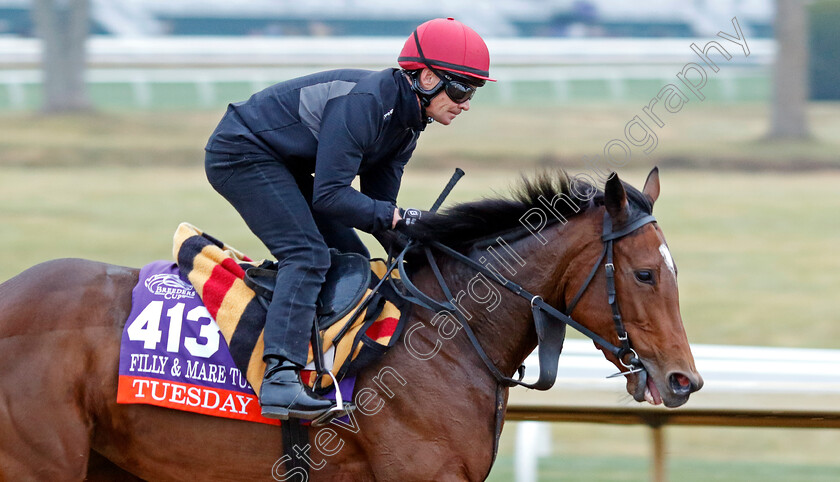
(172, 356)
(217, 272)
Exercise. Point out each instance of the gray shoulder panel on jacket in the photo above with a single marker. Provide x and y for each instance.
(313, 98)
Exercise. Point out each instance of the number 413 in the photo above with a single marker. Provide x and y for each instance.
(146, 328)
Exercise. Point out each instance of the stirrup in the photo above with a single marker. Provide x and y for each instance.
(338, 410)
(332, 414)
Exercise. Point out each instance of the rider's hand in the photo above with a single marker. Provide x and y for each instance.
(397, 218)
(409, 216)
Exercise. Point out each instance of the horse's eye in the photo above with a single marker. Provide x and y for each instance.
(645, 276)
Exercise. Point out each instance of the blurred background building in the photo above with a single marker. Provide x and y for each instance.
(516, 18)
(202, 54)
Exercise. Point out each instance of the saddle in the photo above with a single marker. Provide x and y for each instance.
(360, 317)
(346, 282)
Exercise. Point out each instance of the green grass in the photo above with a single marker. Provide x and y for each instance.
(755, 255)
(754, 251)
(701, 135)
(614, 469)
(592, 452)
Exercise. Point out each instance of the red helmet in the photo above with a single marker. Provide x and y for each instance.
(446, 44)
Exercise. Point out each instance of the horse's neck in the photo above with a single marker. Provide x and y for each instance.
(502, 320)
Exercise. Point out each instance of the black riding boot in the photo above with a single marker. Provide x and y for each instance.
(283, 395)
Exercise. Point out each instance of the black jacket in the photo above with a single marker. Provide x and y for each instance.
(336, 124)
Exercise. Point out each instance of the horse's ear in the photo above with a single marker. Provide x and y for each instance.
(651, 188)
(615, 200)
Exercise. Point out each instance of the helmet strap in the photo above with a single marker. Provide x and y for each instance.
(425, 95)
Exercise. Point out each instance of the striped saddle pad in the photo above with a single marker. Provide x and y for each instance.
(217, 271)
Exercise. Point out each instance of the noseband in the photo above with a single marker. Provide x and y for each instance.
(550, 338)
(607, 237)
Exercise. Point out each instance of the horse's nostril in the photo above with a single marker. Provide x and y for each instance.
(680, 384)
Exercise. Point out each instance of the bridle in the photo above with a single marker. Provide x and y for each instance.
(550, 338)
(608, 236)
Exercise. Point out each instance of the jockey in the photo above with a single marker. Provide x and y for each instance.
(285, 160)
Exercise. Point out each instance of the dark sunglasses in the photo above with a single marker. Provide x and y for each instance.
(458, 91)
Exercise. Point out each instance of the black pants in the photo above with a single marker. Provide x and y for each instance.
(276, 204)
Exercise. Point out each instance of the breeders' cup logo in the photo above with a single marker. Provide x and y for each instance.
(170, 286)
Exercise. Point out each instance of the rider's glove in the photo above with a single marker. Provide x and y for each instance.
(410, 216)
(409, 224)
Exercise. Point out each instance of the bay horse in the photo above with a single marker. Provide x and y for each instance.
(425, 410)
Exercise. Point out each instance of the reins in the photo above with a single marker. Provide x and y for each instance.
(550, 338)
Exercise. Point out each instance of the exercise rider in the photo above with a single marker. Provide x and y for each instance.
(285, 159)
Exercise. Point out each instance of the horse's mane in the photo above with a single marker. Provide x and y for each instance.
(464, 224)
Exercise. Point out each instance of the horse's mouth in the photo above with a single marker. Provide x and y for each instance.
(646, 390)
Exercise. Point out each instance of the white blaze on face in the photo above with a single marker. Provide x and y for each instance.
(666, 254)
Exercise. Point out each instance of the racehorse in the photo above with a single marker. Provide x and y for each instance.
(426, 410)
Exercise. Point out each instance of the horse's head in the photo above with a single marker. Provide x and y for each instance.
(646, 295)
(571, 271)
